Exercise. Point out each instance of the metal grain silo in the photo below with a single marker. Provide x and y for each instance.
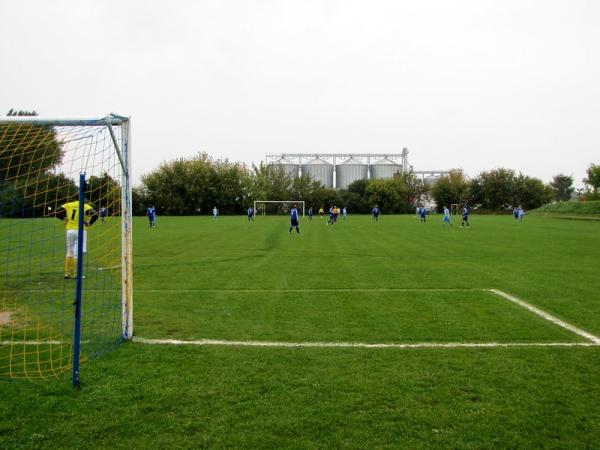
(384, 168)
(348, 172)
(290, 167)
(320, 170)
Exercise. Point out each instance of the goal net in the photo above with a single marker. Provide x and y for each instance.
(40, 165)
(275, 207)
(455, 209)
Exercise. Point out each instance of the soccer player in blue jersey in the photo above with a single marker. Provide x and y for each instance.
(294, 220)
(250, 214)
(330, 221)
(151, 213)
(376, 213)
(465, 217)
(310, 213)
(423, 214)
(102, 214)
(446, 219)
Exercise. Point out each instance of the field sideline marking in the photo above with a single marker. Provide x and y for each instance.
(225, 343)
(549, 317)
(218, 342)
(594, 340)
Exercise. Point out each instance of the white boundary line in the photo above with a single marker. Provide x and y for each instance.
(217, 342)
(549, 317)
(593, 340)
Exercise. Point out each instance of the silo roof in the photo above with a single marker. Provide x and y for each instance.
(318, 161)
(284, 161)
(386, 161)
(352, 160)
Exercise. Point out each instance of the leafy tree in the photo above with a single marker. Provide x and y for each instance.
(312, 192)
(414, 188)
(530, 192)
(139, 200)
(11, 200)
(593, 177)
(21, 199)
(27, 149)
(195, 185)
(493, 190)
(392, 196)
(451, 188)
(103, 191)
(28, 155)
(271, 182)
(21, 112)
(562, 186)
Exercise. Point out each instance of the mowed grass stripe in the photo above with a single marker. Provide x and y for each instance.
(550, 263)
(347, 316)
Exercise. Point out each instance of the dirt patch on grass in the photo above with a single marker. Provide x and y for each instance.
(5, 317)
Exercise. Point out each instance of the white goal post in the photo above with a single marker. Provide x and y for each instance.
(279, 202)
(64, 178)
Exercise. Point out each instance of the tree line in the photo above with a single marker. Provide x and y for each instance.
(30, 179)
(502, 189)
(30, 182)
(192, 186)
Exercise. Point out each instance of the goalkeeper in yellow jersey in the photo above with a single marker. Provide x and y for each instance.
(69, 212)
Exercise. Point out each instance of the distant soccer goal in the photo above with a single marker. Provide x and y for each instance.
(274, 207)
(455, 209)
(65, 241)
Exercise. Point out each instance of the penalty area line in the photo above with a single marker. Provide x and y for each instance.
(280, 344)
(549, 317)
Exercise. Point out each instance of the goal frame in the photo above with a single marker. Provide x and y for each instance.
(123, 150)
(279, 202)
(454, 209)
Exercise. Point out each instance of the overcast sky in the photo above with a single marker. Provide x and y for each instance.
(463, 84)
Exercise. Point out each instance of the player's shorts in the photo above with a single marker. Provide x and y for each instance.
(446, 219)
(465, 217)
(72, 242)
(294, 222)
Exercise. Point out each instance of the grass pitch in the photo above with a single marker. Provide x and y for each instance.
(392, 282)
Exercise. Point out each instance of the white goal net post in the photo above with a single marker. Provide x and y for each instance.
(285, 205)
(63, 179)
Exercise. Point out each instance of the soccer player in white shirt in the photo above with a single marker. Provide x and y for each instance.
(446, 219)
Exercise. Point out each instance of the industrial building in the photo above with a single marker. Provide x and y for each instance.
(339, 170)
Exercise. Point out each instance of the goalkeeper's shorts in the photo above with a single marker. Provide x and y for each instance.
(72, 242)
